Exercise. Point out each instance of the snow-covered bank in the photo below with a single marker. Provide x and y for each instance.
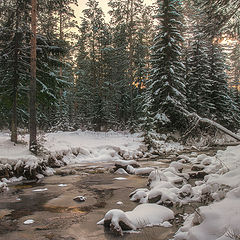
(220, 220)
(64, 148)
(90, 146)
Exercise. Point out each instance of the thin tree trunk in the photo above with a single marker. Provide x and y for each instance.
(32, 107)
(130, 25)
(61, 69)
(15, 86)
(15, 80)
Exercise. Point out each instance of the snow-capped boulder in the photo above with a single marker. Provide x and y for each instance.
(141, 216)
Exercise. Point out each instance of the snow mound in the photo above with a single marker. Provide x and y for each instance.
(141, 216)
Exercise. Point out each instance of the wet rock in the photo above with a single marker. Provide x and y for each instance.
(197, 175)
(80, 199)
(167, 203)
(197, 167)
(154, 199)
(66, 172)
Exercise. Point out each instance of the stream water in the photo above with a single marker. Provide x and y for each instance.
(58, 217)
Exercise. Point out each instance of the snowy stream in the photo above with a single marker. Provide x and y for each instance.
(46, 210)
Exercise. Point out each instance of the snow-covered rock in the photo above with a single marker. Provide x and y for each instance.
(219, 220)
(3, 186)
(141, 216)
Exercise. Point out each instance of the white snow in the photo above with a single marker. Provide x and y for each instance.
(62, 185)
(40, 190)
(88, 146)
(220, 219)
(70, 148)
(29, 221)
(120, 178)
(93, 146)
(3, 186)
(121, 171)
(141, 216)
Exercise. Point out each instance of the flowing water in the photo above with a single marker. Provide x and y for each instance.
(58, 217)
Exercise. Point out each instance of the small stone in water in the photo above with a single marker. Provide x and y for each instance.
(119, 203)
(80, 199)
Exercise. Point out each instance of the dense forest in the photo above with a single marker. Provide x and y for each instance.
(147, 68)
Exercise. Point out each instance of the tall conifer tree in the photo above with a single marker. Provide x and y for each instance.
(166, 84)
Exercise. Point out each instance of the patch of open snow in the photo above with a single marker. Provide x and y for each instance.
(71, 148)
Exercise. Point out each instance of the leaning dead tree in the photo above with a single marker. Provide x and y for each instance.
(197, 120)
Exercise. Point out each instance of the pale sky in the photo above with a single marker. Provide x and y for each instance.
(102, 3)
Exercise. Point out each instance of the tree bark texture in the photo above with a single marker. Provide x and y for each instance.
(32, 107)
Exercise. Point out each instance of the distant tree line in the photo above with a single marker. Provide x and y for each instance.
(143, 69)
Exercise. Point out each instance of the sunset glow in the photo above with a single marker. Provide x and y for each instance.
(102, 3)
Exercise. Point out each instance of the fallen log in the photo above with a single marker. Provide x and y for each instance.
(199, 119)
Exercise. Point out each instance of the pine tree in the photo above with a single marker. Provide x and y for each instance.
(166, 84)
(14, 60)
(131, 25)
(93, 64)
(235, 84)
(15, 64)
(32, 97)
(198, 82)
(225, 110)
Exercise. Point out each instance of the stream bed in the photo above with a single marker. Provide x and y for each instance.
(56, 216)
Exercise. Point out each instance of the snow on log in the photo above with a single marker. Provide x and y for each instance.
(210, 122)
(141, 216)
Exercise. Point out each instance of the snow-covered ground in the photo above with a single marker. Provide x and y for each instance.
(88, 146)
(63, 148)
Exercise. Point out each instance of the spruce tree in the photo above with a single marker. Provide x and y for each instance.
(167, 86)
(225, 109)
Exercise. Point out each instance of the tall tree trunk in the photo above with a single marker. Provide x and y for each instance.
(15, 80)
(15, 90)
(61, 69)
(32, 107)
(130, 25)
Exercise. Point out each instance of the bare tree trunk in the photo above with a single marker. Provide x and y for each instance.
(32, 107)
(130, 26)
(15, 90)
(17, 39)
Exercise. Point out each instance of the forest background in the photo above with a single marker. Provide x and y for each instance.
(145, 68)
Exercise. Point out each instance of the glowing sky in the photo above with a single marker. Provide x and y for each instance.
(102, 3)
